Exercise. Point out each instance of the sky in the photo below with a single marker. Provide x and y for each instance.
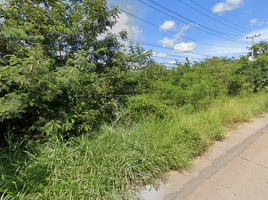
(175, 29)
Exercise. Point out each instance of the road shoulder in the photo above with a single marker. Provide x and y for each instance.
(188, 184)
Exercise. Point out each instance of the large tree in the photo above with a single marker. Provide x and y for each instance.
(62, 28)
(57, 75)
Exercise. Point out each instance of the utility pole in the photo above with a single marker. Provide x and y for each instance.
(253, 36)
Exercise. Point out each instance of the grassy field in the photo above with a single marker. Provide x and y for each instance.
(121, 159)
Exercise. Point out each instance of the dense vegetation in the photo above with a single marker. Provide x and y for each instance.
(88, 118)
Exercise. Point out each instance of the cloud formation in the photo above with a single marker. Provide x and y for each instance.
(227, 6)
(136, 30)
(167, 25)
(253, 21)
(184, 46)
(121, 24)
(167, 42)
(172, 62)
(184, 28)
(170, 42)
(161, 55)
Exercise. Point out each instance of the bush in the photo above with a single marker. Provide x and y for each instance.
(144, 106)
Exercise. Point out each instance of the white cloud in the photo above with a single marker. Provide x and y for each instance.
(122, 18)
(161, 55)
(167, 25)
(185, 46)
(227, 6)
(121, 24)
(168, 42)
(136, 30)
(184, 28)
(172, 62)
(253, 21)
(154, 53)
(128, 6)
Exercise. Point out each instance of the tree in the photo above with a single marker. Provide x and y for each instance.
(57, 76)
(259, 49)
(61, 27)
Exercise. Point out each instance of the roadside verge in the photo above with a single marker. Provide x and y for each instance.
(180, 185)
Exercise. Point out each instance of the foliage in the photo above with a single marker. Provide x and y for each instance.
(56, 75)
(259, 49)
(142, 106)
(195, 84)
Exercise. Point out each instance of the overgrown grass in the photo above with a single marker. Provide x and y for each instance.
(123, 158)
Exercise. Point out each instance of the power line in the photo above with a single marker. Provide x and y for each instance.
(245, 29)
(159, 46)
(171, 31)
(166, 63)
(174, 56)
(209, 16)
(168, 54)
(175, 13)
(148, 43)
(220, 16)
(169, 58)
(181, 20)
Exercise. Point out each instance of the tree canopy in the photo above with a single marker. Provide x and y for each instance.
(57, 74)
(259, 49)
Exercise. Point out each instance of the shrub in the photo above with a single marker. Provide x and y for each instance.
(144, 106)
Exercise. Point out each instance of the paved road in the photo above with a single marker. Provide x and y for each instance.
(234, 169)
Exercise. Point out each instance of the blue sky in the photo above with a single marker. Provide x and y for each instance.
(238, 18)
(176, 20)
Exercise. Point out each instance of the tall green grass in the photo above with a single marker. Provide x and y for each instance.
(123, 158)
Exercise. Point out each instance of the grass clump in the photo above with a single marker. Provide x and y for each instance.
(111, 166)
